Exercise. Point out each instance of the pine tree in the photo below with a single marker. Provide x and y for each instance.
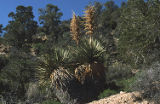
(50, 20)
(21, 28)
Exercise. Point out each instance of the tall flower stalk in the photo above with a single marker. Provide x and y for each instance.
(89, 21)
(75, 28)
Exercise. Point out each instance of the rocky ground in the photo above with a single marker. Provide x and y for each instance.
(123, 98)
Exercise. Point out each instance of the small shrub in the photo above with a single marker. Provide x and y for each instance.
(51, 102)
(125, 84)
(119, 76)
(106, 93)
(148, 82)
(118, 71)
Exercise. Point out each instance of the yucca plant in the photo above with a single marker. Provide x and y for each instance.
(54, 72)
(50, 62)
(90, 57)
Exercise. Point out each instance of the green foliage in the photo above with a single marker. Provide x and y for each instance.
(125, 84)
(51, 61)
(131, 31)
(64, 38)
(16, 75)
(138, 31)
(50, 20)
(3, 61)
(50, 102)
(89, 51)
(109, 16)
(106, 93)
(51, 27)
(20, 30)
(106, 19)
(147, 82)
(118, 71)
(119, 77)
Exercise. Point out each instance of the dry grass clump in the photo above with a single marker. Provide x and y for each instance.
(74, 28)
(94, 71)
(60, 77)
(82, 72)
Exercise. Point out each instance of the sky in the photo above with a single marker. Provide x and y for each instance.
(65, 6)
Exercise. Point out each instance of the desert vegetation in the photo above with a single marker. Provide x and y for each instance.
(107, 50)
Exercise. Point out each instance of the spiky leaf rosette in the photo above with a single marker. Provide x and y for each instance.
(89, 52)
(74, 28)
(89, 20)
(50, 62)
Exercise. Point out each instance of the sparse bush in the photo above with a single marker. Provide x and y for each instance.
(16, 75)
(119, 76)
(107, 93)
(118, 71)
(148, 82)
(125, 84)
(50, 102)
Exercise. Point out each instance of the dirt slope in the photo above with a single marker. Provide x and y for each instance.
(122, 98)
